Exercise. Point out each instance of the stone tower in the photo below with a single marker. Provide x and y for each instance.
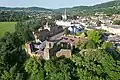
(46, 51)
(35, 36)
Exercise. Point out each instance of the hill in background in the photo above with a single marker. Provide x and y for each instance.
(108, 7)
(103, 7)
(25, 9)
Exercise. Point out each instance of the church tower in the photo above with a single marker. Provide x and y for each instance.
(64, 16)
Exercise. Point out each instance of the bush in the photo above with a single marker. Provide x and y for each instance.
(90, 45)
(107, 45)
(78, 33)
(116, 22)
(95, 36)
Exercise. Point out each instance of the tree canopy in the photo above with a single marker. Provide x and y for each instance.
(96, 36)
(88, 63)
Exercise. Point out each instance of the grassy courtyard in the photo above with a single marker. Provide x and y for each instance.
(6, 27)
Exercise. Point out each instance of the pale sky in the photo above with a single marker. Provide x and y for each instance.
(49, 3)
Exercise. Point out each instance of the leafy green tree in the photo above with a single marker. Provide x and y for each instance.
(66, 31)
(83, 35)
(96, 36)
(58, 69)
(81, 45)
(28, 35)
(6, 76)
(20, 76)
(34, 69)
(13, 69)
(24, 29)
(13, 16)
(95, 65)
(90, 45)
(78, 33)
(107, 45)
(12, 56)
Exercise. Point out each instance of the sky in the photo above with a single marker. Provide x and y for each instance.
(51, 4)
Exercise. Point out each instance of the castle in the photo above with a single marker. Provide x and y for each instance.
(47, 49)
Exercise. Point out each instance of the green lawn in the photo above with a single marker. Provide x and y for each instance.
(6, 27)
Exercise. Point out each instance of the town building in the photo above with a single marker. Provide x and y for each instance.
(114, 29)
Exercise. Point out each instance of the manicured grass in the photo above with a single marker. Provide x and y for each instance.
(6, 27)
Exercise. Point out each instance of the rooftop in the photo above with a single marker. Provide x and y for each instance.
(115, 26)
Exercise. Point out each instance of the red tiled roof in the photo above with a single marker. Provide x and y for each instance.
(67, 41)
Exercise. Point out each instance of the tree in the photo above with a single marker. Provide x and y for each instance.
(83, 35)
(34, 69)
(116, 22)
(6, 76)
(81, 45)
(78, 33)
(66, 32)
(20, 76)
(28, 35)
(90, 45)
(13, 69)
(96, 36)
(107, 45)
(58, 17)
(96, 65)
(12, 56)
(58, 69)
(13, 16)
